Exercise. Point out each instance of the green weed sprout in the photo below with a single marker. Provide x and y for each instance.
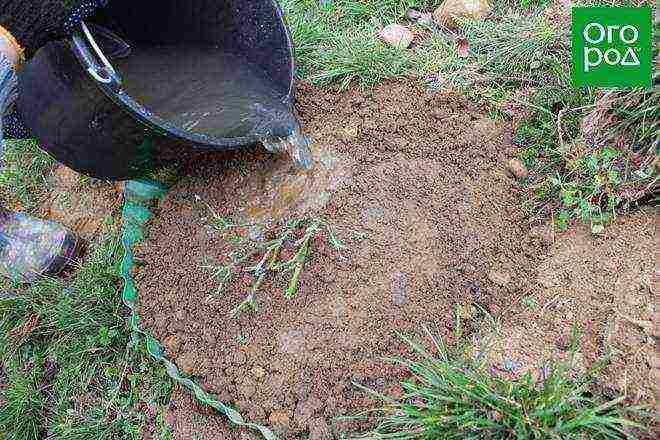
(268, 254)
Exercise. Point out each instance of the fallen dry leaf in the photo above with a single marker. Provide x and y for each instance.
(463, 48)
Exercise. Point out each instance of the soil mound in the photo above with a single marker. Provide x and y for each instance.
(413, 181)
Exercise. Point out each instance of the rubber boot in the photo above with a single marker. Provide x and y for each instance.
(31, 248)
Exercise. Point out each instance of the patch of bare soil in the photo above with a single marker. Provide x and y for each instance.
(421, 174)
(81, 203)
(607, 286)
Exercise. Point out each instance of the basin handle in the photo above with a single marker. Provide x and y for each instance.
(102, 72)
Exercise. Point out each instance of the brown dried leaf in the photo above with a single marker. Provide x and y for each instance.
(463, 47)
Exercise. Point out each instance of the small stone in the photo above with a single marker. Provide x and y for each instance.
(352, 131)
(511, 366)
(446, 14)
(171, 343)
(319, 429)
(517, 169)
(306, 409)
(396, 35)
(655, 328)
(344, 260)
(258, 372)
(543, 233)
(280, 420)
(187, 363)
(474, 289)
(499, 278)
(413, 14)
(373, 213)
(399, 288)
(463, 47)
(247, 388)
(439, 114)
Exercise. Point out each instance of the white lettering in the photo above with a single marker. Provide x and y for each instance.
(630, 58)
(608, 58)
(610, 30)
(588, 63)
(635, 34)
(601, 31)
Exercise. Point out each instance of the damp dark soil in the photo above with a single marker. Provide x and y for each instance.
(413, 181)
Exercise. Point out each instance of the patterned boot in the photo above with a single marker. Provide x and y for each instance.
(32, 248)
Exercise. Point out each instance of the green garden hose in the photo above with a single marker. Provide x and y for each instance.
(139, 198)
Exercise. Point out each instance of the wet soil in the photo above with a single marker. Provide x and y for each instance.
(421, 177)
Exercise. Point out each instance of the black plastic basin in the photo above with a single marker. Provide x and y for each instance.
(172, 93)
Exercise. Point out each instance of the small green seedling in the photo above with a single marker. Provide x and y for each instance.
(269, 255)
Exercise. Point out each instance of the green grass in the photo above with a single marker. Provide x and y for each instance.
(451, 396)
(24, 177)
(24, 408)
(256, 261)
(576, 175)
(337, 41)
(589, 176)
(70, 368)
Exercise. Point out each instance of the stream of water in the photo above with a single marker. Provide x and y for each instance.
(207, 91)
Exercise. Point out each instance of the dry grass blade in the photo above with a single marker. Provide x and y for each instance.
(24, 330)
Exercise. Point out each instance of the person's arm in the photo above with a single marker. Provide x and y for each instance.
(31, 24)
(36, 22)
(10, 56)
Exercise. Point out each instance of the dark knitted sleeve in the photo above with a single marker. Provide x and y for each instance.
(36, 22)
